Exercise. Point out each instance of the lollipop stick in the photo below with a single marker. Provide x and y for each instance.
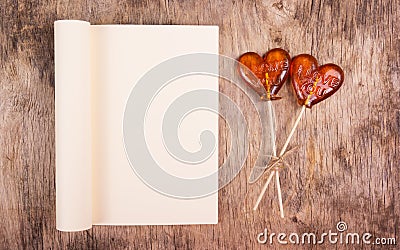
(278, 186)
(263, 190)
(292, 132)
(272, 127)
(273, 136)
(280, 155)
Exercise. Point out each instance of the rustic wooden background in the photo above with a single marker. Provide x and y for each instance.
(346, 167)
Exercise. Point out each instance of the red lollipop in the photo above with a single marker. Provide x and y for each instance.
(272, 71)
(313, 83)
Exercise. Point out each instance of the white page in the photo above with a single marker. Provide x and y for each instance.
(121, 54)
(96, 69)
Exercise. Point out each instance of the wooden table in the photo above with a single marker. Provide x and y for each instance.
(345, 169)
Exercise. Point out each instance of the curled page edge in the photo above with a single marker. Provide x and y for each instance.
(73, 125)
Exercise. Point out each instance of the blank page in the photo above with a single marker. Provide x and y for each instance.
(120, 56)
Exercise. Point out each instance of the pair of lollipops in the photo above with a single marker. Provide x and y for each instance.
(311, 83)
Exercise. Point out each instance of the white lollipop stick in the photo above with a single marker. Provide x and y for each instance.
(264, 189)
(280, 155)
(272, 127)
(292, 132)
(278, 186)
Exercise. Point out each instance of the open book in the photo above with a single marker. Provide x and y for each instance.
(101, 173)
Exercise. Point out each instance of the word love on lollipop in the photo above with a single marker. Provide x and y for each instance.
(272, 71)
(311, 83)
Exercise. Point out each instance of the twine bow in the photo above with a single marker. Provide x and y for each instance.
(276, 164)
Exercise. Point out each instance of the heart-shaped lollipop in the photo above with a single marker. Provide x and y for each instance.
(313, 83)
(272, 70)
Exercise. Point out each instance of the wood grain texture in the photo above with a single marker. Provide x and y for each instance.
(346, 166)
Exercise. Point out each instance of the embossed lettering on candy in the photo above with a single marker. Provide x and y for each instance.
(271, 70)
(312, 83)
